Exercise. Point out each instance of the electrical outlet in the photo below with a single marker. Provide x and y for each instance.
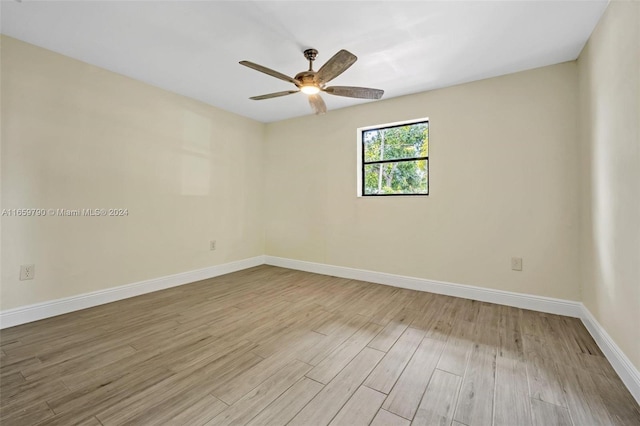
(212, 245)
(516, 263)
(27, 272)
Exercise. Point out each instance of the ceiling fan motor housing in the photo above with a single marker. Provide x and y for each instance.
(306, 78)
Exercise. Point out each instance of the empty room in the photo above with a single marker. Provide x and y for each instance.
(320, 213)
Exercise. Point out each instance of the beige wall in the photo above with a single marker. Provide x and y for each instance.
(503, 183)
(609, 74)
(77, 136)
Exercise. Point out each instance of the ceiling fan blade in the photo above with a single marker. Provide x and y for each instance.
(268, 71)
(317, 104)
(274, 95)
(355, 92)
(336, 66)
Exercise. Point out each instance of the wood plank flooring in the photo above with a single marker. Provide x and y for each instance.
(271, 346)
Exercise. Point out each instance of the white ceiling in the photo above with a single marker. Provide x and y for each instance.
(193, 47)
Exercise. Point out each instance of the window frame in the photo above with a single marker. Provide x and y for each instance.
(361, 162)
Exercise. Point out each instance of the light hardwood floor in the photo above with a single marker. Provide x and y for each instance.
(274, 346)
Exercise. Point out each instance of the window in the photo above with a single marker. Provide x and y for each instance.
(394, 159)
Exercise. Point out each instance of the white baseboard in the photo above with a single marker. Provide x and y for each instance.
(518, 300)
(619, 361)
(38, 311)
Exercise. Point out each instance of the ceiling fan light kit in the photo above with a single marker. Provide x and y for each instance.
(312, 82)
(309, 89)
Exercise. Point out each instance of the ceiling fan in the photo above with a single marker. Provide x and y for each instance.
(313, 82)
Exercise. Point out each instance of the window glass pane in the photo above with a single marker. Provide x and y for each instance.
(403, 177)
(394, 143)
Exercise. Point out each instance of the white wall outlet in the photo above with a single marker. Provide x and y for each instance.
(516, 263)
(212, 245)
(27, 272)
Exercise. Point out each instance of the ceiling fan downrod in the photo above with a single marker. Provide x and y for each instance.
(310, 54)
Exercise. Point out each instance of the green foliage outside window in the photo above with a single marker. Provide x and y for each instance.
(396, 160)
